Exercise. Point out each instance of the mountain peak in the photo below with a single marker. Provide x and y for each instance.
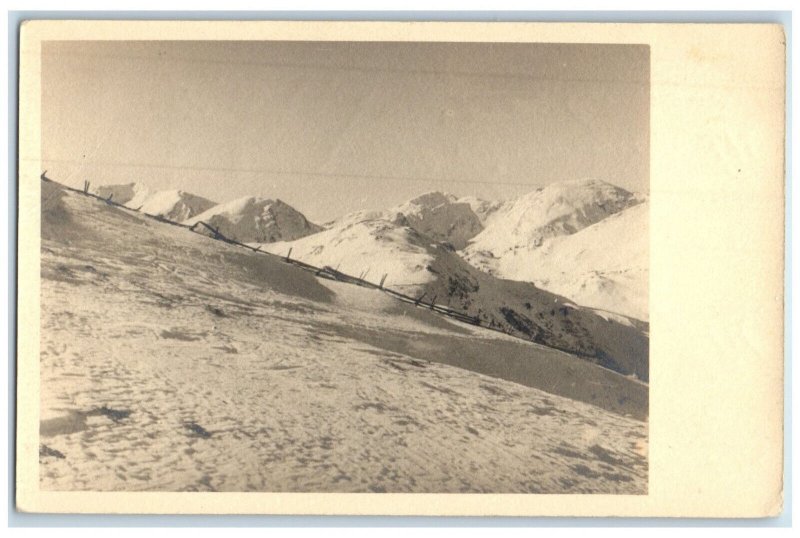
(433, 199)
(578, 191)
(253, 219)
(440, 216)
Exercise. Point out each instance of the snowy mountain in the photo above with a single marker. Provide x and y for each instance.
(483, 209)
(604, 265)
(551, 211)
(415, 265)
(441, 217)
(253, 219)
(209, 367)
(584, 240)
(124, 193)
(173, 205)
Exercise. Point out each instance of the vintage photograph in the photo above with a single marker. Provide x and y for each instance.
(344, 266)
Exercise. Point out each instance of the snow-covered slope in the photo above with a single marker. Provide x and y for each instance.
(173, 205)
(173, 362)
(367, 246)
(585, 240)
(416, 264)
(604, 265)
(253, 219)
(551, 211)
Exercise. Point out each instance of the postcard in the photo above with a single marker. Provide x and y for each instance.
(401, 268)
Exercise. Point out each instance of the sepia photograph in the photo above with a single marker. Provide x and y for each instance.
(344, 267)
(323, 264)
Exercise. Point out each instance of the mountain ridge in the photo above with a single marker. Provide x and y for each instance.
(174, 205)
(417, 265)
(562, 237)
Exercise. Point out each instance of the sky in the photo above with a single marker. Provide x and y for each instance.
(335, 127)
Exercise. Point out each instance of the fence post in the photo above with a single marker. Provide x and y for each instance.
(433, 301)
(289, 254)
(383, 279)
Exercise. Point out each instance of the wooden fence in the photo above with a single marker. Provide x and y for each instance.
(322, 272)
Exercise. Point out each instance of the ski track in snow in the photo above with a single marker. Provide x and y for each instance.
(166, 367)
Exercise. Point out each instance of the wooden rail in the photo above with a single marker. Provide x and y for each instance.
(321, 272)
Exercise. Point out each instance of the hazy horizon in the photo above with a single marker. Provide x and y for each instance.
(333, 127)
